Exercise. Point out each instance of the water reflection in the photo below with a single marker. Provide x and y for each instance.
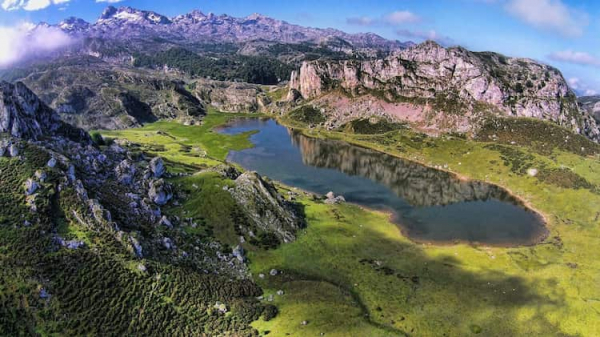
(429, 205)
(415, 183)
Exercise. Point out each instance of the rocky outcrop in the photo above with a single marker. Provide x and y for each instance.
(448, 87)
(24, 115)
(592, 105)
(266, 207)
(232, 96)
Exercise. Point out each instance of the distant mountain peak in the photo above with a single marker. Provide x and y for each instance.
(129, 14)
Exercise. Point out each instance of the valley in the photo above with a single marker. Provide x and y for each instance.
(353, 266)
(216, 175)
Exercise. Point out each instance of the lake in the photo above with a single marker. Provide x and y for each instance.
(429, 205)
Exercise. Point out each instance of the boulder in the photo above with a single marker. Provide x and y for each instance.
(160, 192)
(238, 252)
(157, 167)
(125, 172)
(31, 186)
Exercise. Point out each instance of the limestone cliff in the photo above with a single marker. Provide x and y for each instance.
(441, 89)
(24, 115)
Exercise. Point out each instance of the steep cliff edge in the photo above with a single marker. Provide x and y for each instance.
(24, 115)
(440, 89)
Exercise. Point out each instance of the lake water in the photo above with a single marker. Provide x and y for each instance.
(430, 205)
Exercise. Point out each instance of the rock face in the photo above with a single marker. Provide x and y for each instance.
(592, 105)
(93, 94)
(450, 87)
(232, 96)
(24, 115)
(266, 207)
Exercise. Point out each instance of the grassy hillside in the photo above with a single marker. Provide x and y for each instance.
(351, 272)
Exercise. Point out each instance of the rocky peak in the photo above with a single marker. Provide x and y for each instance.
(450, 82)
(24, 115)
(132, 15)
(74, 24)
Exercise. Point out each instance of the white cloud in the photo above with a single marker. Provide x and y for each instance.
(26, 40)
(426, 35)
(552, 15)
(30, 5)
(394, 19)
(583, 88)
(576, 57)
(401, 17)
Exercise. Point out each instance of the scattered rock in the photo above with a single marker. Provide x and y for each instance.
(51, 163)
(141, 268)
(221, 307)
(160, 192)
(238, 252)
(532, 172)
(164, 221)
(125, 172)
(332, 199)
(304, 323)
(31, 186)
(273, 272)
(157, 167)
(280, 292)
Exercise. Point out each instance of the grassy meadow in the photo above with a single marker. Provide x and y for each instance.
(351, 272)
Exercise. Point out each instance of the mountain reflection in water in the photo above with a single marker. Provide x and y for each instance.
(429, 205)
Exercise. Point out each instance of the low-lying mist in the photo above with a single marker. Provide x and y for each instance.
(25, 41)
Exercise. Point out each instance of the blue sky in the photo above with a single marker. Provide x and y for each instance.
(563, 33)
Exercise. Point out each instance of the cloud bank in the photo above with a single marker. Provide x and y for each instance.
(575, 57)
(25, 41)
(552, 15)
(30, 5)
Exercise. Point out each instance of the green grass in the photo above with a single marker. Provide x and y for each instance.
(172, 140)
(352, 262)
(352, 273)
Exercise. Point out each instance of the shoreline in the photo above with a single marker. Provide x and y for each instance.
(544, 230)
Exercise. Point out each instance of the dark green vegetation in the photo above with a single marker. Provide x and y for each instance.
(543, 137)
(101, 289)
(366, 126)
(307, 114)
(251, 69)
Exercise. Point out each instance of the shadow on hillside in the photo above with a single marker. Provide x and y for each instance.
(418, 291)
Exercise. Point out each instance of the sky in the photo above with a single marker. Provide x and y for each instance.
(562, 33)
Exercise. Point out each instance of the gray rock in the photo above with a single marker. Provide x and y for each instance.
(31, 186)
(280, 292)
(273, 272)
(266, 207)
(160, 192)
(13, 150)
(164, 221)
(238, 252)
(157, 167)
(125, 172)
(40, 175)
(168, 243)
(137, 248)
(51, 163)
